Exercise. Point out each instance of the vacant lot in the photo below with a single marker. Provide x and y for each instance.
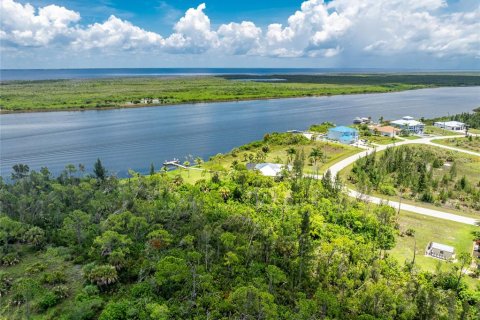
(427, 229)
(431, 176)
(470, 143)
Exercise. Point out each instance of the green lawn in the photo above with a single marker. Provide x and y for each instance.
(223, 162)
(411, 137)
(189, 176)
(381, 139)
(430, 229)
(278, 154)
(472, 144)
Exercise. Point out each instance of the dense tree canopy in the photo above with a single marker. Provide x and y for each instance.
(233, 246)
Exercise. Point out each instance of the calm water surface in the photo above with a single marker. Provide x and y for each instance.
(133, 138)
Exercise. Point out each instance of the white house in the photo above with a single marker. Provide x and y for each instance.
(409, 124)
(450, 125)
(440, 251)
(267, 169)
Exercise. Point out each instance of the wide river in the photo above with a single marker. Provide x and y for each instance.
(133, 138)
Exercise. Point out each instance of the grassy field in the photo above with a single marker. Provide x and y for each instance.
(381, 139)
(472, 144)
(189, 176)
(430, 229)
(131, 92)
(411, 137)
(278, 154)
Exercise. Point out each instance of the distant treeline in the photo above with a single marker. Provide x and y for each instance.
(371, 79)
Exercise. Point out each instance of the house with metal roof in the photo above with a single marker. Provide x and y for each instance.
(440, 251)
(407, 123)
(343, 134)
(267, 169)
(450, 125)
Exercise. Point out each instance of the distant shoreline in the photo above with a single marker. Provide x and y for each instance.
(137, 92)
(136, 106)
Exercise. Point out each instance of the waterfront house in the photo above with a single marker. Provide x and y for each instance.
(409, 124)
(343, 134)
(450, 125)
(267, 169)
(386, 131)
(440, 251)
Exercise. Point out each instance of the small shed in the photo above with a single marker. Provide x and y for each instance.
(343, 134)
(440, 251)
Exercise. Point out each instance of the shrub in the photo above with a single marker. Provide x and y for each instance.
(55, 277)
(101, 275)
(10, 259)
(115, 311)
(61, 291)
(17, 300)
(36, 268)
(48, 300)
(35, 236)
(5, 283)
(427, 197)
(85, 309)
(387, 190)
(410, 232)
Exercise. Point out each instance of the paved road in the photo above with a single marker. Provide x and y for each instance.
(337, 167)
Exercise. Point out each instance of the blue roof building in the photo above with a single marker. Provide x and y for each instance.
(343, 134)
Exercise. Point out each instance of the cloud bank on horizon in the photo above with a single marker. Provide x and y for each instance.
(319, 30)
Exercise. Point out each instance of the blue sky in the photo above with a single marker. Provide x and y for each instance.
(425, 34)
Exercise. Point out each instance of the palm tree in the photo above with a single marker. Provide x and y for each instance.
(187, 164)
(316, 154)
(198, 161)
(290, 153)
(102, 275)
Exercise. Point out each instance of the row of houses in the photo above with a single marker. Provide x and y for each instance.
(349, 135)
(406, 124)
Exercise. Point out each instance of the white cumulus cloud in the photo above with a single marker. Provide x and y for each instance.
(318, 29)
(21, 25)
(117, 34)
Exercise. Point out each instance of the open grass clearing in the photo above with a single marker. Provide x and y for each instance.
(333, 151)
(429, 229)
(470, 143)
(381, 139)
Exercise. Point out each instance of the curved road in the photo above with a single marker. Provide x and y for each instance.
(337, 167)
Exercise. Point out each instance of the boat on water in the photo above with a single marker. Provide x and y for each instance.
(173, 162)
